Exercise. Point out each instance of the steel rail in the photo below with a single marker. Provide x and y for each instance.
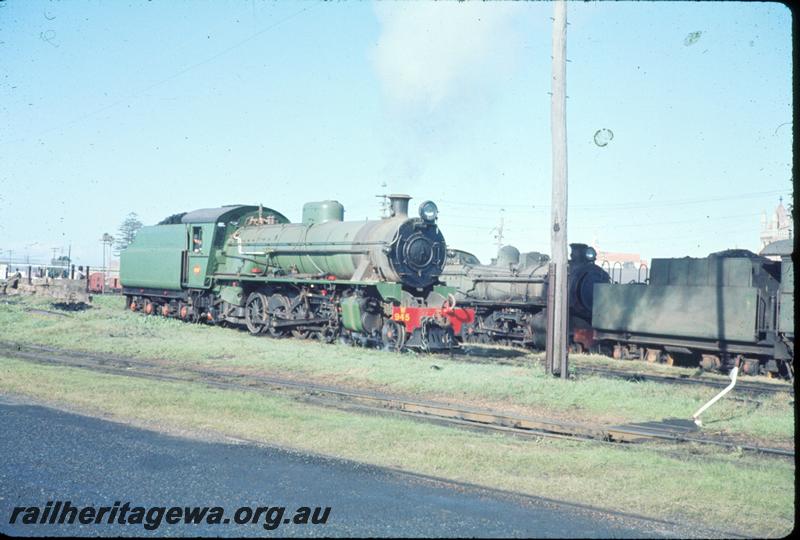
(437, 411)
(750, 387)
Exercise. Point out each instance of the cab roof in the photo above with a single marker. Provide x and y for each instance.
(226, 213)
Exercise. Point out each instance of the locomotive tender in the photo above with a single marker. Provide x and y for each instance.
(372, 282)
(509, 296)
(732, 306)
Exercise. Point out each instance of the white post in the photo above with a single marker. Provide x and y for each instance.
(701, 410)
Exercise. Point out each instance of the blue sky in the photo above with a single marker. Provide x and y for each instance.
(166, 106)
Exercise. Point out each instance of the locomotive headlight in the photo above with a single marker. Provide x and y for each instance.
(428, 211)
(591, 254)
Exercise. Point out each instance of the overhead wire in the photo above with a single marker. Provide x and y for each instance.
(623, 205)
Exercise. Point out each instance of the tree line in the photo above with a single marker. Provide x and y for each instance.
(126, 232)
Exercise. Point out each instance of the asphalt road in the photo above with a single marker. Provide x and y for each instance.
(48, 455)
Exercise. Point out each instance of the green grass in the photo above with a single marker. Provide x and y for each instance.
(729, 492)
(108, 328)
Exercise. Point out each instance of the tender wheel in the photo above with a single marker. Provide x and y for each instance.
(751, 366)
(652, 356)
(278, 307)
(255, 313)
(393, 335)
(710, 362)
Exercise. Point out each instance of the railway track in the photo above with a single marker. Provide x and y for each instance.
(749, 387)
(476, 354)
(676, 431)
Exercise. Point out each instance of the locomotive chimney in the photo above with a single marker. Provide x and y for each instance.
(399, 205)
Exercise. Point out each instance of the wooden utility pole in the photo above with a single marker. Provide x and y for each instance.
(558, 308)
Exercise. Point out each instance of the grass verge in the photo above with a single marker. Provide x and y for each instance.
(108, 328)
(730, 493)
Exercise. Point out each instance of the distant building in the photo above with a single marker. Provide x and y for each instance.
(622, 267)
(619, 257)
(777, 226)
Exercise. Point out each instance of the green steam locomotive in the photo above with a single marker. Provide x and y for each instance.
(372, 282)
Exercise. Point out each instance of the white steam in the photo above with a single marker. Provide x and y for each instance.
(429, 51)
